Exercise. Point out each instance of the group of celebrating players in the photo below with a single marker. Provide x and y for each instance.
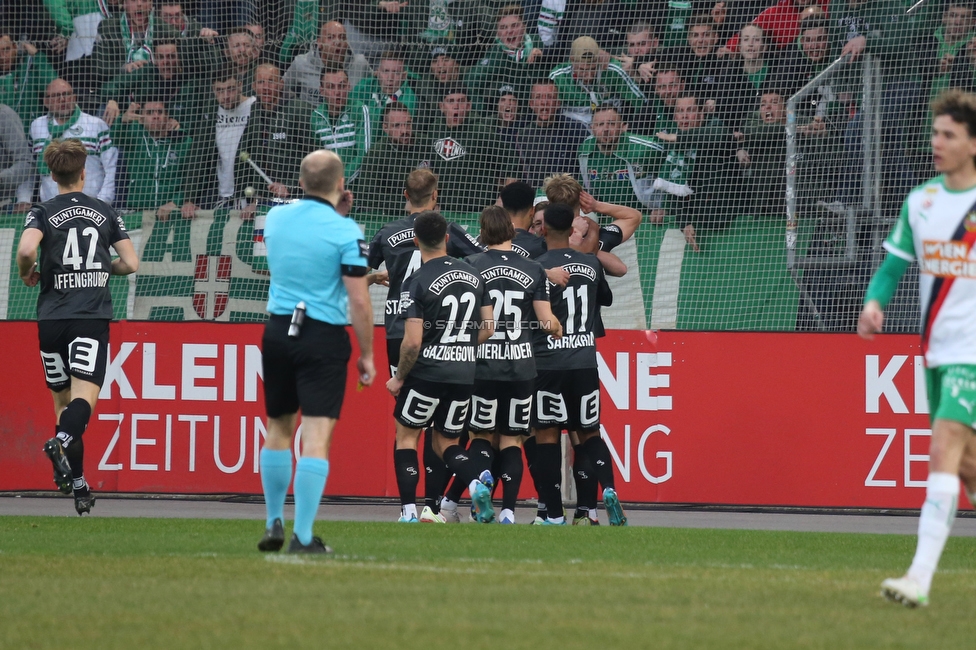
(500, 347)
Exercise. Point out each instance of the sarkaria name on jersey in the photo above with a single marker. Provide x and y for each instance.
(81, 280)
(450, 353)
(77, 212)
(449, 278)
(571, 341)
(507, 273)
(505, 351)
(948, 259)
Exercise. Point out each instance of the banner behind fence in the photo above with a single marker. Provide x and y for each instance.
(730, 418)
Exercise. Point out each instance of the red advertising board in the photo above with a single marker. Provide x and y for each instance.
(725, 418)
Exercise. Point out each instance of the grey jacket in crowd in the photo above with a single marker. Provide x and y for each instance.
(16, 161)
(304, 76)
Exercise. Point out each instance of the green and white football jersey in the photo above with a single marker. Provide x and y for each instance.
(937, 228)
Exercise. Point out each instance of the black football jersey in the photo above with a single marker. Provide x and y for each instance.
(76, 262)
(394, 245)
(610, 237)
(533, 247)
(447, 294)
(513, 283)
(528, 245)
(575, 305)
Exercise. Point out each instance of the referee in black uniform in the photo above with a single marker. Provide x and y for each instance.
(74, 232)
(317, 260)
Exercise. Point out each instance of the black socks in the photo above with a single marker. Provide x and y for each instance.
(407, 473)
(509, 462)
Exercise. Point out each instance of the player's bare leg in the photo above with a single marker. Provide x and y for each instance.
(948, 446)
(967, 470)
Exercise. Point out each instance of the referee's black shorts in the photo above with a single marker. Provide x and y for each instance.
(308, 372)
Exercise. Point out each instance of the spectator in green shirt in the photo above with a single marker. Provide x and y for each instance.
(951, 39)
(341, 125)
(512, 60)
(694, 173)
(589, 77)
(185, 94)
(24, 74)
(617, 166)
(127, 42)
(155, 150)
(388, 84)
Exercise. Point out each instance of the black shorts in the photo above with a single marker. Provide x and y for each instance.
(307, 373)
(393, 354)
(568, 399)
(423, 403)
(73, 348)
(502, 406)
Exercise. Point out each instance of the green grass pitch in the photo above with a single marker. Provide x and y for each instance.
(154, 583)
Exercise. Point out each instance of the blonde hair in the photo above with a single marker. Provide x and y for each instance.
(563, 188)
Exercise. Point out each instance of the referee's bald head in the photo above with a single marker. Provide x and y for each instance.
(321, 173)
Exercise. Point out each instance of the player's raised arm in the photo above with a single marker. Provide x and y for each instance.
(625, 218)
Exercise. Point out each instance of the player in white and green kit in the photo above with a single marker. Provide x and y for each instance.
(937, 228)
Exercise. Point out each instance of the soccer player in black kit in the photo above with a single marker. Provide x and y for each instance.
(74, 232)
(447, 315)
(567, 389)
(394, 245)
(501, 401)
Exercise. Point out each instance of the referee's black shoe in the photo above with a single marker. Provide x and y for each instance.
(84, 501)
(316, 546)
(62, 469)
(274, 537)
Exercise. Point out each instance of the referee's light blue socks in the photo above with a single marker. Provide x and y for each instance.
(275, 479)
(310, 475)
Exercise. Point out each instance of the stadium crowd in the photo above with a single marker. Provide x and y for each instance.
(675, 108)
